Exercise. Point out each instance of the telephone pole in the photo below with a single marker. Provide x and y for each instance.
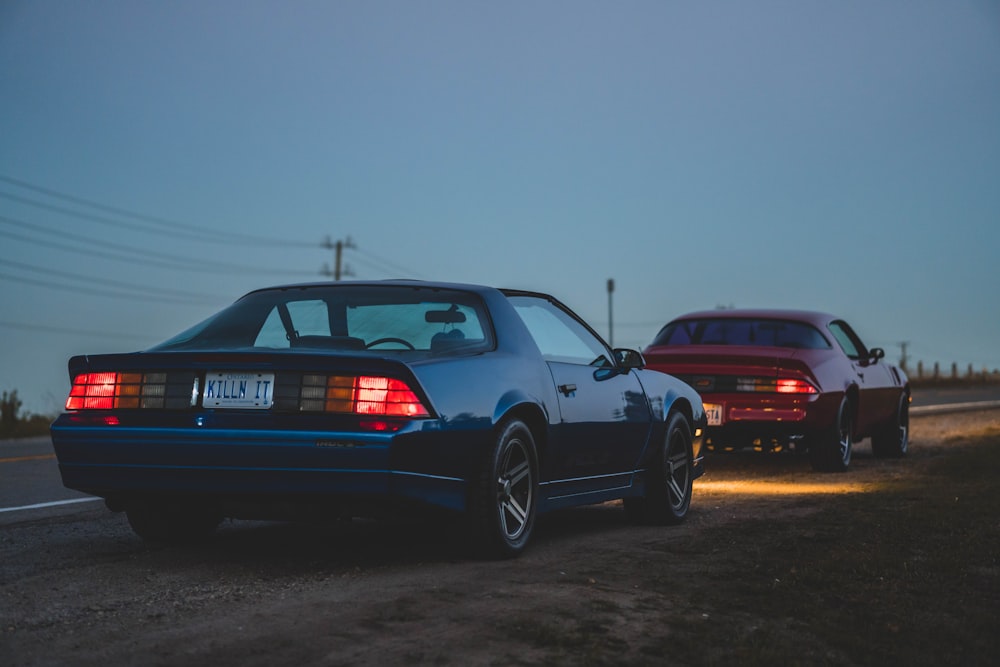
(611, 327)
(339, 269)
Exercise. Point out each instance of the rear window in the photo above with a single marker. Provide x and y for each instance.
(376, 318)
(733, 331)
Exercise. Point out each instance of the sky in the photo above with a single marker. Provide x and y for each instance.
(158, 160)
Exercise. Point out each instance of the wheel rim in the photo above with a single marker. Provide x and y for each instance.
(515, 490)
(904, 425)
(677, 470)
(844, 446)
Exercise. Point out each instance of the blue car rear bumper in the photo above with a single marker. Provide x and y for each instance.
(118, 462)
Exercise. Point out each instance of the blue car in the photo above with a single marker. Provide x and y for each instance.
(357, 398)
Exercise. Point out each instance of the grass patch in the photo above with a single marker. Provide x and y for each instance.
(30, 426)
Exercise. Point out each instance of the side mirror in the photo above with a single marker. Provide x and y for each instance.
(876, 353)
(628, 359)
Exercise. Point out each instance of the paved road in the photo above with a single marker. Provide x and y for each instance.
(927, 400)
(31, 488)
(29, 478)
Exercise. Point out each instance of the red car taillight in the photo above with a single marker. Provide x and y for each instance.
(790, 386)
(107, 391)
(780, 385)
(386, 396)
(360, 394)
(92, 391)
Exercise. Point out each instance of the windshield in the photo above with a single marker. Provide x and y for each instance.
(734, 331)
(363, 317)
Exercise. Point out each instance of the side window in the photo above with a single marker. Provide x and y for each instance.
(309, 318)
(560, 336)
(847, 340)
(272, 334)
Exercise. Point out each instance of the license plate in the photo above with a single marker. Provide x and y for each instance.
(235, 389)
(713, 412)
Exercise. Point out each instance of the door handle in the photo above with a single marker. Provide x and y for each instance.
(567, 389)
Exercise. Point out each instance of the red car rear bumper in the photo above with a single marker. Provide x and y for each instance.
(747, 418)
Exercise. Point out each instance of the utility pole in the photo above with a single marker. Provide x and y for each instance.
(903, 358)
(339, 269)
(611, 328)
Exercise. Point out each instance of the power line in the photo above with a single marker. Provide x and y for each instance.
(200, 236)
(200, 297)
(74, 332)
(132, 250)
(341, 269)
(199, 232)
(406, 273)
(134, 254)
(170, 228)
(94, 291)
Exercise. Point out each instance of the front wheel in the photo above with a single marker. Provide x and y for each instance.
(894, 440)
(831, 451)
(504, 497)
(670, 479)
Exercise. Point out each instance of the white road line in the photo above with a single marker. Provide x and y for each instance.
(52, 504)
(953, 407)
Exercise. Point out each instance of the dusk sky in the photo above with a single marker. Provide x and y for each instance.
(160, 159)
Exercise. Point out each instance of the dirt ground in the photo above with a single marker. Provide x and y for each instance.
(591, 589)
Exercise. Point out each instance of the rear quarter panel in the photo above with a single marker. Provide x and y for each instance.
(472, 395)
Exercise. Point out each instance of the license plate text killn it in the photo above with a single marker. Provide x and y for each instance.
(235, 389)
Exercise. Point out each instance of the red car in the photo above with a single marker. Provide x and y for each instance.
(776, 378)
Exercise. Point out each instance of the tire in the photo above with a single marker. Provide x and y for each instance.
(831, 451)
(504, 497)
(670, 479)
(893, 441)
(172, 522)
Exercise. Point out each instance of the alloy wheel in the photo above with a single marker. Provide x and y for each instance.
(515, 489)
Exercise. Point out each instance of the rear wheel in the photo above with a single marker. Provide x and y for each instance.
(894, 440)
(831, 451)
(669, 485)
(171, 521)
(504, 498)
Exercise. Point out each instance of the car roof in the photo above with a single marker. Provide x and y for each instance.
(816, 318)
(397, 282)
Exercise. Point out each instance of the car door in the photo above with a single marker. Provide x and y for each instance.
(604, 419)
(876, 389)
